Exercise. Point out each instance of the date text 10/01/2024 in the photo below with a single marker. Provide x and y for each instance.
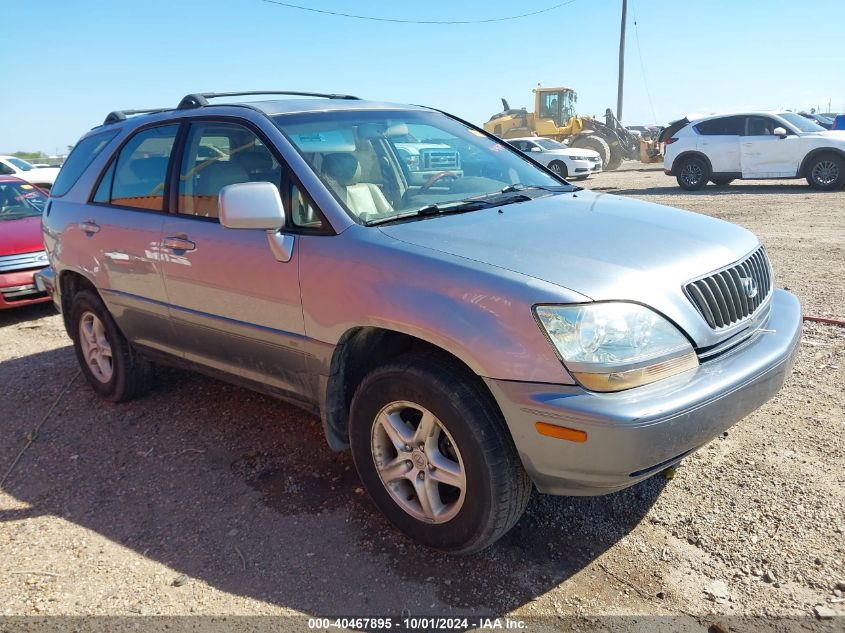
(415, 623)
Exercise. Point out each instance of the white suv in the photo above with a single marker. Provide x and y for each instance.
(755, 145)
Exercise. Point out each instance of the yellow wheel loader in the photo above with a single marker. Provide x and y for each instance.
(554, 117)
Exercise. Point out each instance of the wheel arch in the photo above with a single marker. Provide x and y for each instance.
(802, 170)
(359, 351)
(691, 153)
(70, 282)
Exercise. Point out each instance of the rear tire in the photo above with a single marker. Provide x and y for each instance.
(722, 182)
(559, 167)
(434, 454)
(109, 363)
(826, 172)
(693, 173)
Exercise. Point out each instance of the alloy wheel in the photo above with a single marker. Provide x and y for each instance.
(96, 349)
(825, 172)
(418, 462)
(692, 174)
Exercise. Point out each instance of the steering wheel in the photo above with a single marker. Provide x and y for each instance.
(436, 178)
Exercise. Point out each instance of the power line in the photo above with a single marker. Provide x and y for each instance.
(397, 20)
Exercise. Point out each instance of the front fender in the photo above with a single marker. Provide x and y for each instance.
(479, 313)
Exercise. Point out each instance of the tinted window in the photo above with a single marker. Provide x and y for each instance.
(103, 193)
(217, 155)
(140, 172)
(5, 170)
(726, 126)
(85, 151)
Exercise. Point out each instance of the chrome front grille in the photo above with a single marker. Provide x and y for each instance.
(23, 261)
(734, 293)
(441, 159)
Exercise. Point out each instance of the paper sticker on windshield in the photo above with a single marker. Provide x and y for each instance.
(26, 186)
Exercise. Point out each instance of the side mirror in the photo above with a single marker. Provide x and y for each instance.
(536, 150)
(251, 205)
(779, 131)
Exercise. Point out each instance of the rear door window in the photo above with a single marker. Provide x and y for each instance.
(137, 178)
(725, 126)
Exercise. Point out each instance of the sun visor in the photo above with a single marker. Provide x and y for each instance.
(314, 138)
(381, 129)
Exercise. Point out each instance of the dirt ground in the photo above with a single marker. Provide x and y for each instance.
(203, 498)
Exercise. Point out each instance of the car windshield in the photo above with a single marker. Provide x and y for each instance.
(386, 164)
(20, 164)
(548, 143)
(20, 200)
(804, 125)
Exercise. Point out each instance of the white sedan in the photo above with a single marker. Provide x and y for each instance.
(571, 163)
(43, 177)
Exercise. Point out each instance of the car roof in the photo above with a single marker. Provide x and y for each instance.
(12, 179)
(531, 138)
(696, 118)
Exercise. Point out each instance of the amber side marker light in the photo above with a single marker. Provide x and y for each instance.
(560, 432)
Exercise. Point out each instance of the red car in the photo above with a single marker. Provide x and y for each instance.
(21, 247)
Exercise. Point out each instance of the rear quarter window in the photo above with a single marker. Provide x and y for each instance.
(82, 155)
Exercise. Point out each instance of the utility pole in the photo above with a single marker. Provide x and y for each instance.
(621, 60)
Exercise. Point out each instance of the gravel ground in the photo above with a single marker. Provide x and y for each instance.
(203, 498)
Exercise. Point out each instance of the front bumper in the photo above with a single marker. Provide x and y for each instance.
(45, 281)
(585, 167)
(18, 289)
(635, 433)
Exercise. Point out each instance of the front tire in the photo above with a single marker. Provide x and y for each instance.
(693, 173)
(435, 455)
(826, 172)
(597, 144)
(110, 364)
(559, 167)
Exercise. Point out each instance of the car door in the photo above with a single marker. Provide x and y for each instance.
(719, 141)
(122, 227)
(234, 305)
(766, 155)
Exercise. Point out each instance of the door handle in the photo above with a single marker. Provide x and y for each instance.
(90, 227)
(178, 243)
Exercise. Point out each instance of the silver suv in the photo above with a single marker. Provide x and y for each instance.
(468, 338)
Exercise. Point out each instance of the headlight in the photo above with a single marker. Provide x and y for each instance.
(615, 346)
(413, 162)
(579, 158)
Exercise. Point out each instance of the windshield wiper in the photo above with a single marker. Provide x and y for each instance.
(460, 206)
(554, 189)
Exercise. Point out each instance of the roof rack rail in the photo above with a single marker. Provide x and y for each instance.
(120, 115)
(199, 100)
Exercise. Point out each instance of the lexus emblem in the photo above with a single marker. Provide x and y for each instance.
(750, 286)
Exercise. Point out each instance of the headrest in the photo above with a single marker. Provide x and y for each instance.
(341, 166)
(219, 174)
(255, 160)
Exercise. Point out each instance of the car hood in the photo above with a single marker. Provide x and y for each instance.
(572, 152)
(20, 236)
(602, 246)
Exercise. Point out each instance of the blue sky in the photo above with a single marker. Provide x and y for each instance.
(67, 63)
